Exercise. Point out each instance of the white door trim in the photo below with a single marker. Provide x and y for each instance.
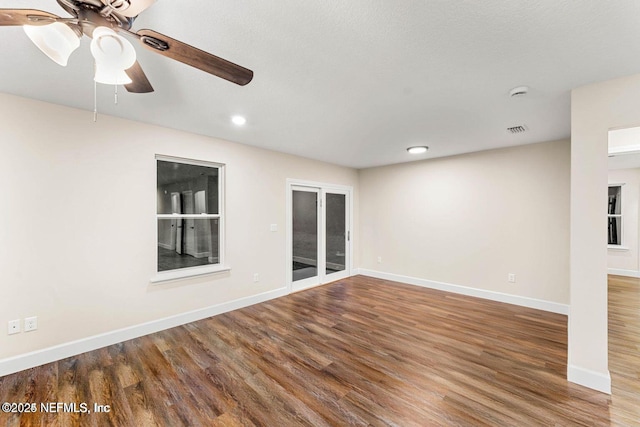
(322, 186)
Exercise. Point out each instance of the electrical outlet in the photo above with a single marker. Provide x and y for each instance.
(13, 326)
(256, 277)
(511, 278)
(274, 227)
(30, 323)
(379, 259)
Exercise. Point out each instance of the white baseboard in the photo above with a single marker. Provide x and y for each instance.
(550, 306)
(591, 379)
(62, 351)
(626, 273)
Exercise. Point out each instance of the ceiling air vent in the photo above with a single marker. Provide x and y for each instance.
(517, 129)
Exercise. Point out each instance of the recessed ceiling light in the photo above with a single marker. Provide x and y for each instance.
(238, 120)
(418, 149)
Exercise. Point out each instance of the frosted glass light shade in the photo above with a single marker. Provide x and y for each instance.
(111, 76)
(56, 40)
(111, 50)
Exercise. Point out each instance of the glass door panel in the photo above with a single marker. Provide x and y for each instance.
(335, 233)
(305, 236)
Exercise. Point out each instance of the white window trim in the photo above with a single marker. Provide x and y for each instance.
(185, 273)
(188, 272)
(619, 247)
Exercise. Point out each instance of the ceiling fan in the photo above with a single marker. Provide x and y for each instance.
(105, 22)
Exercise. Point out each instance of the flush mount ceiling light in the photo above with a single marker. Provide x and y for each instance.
(56, 40)
(519, 91)
(418, 149)
(238, 120)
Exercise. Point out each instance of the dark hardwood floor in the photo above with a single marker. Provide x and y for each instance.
(359, 351)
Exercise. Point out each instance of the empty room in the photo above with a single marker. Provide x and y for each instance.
(368, 213)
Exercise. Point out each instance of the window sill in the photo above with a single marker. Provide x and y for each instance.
(617, 248)
(185, 273)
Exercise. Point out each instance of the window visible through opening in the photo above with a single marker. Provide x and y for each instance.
(614, 215)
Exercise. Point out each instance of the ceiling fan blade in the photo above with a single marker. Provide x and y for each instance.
(195, 57)
(140, 82)
(128, 8)
(26, 17)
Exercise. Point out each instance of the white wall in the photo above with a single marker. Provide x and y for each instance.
(471, 220)
(78, 233)
(595, 109)
(625, 261)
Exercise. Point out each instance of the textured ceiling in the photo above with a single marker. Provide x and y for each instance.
(356, 82)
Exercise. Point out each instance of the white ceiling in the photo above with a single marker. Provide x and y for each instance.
(356, 82)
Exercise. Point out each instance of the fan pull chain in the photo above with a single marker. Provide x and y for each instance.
(95, 93)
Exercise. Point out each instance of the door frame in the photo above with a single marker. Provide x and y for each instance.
(323, 187)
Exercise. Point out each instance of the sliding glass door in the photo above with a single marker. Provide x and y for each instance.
(320, 235)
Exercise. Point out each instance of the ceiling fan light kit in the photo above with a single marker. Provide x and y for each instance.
(113, 55)
(111, 76)
(106, 22)
(56, 40)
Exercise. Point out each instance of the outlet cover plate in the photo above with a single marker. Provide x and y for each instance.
(30, 323)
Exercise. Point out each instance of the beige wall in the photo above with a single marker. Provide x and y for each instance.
(627, 259)
(471, 220)
(78, 221)
(78, 213)
(595, 109)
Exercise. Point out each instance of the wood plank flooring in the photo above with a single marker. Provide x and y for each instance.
(624, 349)
(360, 351)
